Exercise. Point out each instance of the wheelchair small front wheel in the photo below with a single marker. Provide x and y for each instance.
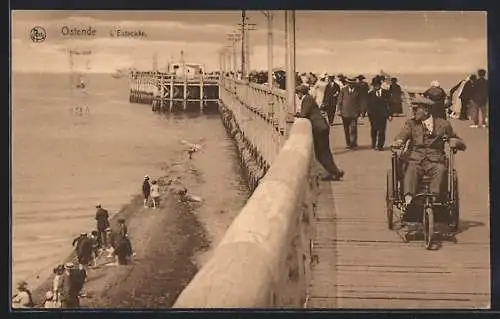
(428, 227)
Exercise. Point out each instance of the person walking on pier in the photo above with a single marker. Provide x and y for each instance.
(102, 218)
(146, 190)
(332, 91)
(378, 113)
(396, 98)
(438, 96)
(321, 133)
(349, 107)
(479, 100)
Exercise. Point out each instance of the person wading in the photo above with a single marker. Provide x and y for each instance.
(321, 133)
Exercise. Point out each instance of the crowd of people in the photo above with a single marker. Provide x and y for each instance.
(323, 97)
(70, 277)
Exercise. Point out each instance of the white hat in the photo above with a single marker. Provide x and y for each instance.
(435, 84)
(146, 177)
(69, 265)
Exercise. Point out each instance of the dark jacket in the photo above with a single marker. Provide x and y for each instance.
(349, 104)
(378, 107)
(146, 188)
(480, 91)
(395, 93)
(436, 94)
(467, 90)
(310, 110)
(332, 91)
(102, 218)
(427, 147)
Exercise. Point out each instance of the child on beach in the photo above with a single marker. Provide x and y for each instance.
(155, 194)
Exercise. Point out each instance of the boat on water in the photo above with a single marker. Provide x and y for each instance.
(120, 73)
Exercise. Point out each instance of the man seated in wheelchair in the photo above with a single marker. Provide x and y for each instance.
(425, 155)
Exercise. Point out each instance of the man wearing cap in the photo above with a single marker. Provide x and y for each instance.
(102, 218)
(23, 298)
(146, 190)
(349, 107)
(332, 91)
(321, 133)
(425, 154)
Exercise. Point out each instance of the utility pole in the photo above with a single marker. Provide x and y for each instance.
(290, 64)
(155, 62)
(269, 16)
(234, 38)
(245, 44)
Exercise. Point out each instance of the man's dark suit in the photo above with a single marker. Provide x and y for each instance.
(480, 100)
(426, 153)
(349, 106)
(321, 133)
(332, 91)
(378, 113)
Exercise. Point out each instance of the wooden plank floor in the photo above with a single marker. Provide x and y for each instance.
(361, 264)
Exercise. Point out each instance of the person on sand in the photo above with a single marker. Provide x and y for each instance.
(84, 252)
(95, 251)
(102, 218)
(78, 240)
(58, 272)
(146, 190)
(155, 194)
(123, 233)
(23, 298)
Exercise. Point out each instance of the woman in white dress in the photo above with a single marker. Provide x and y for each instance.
(155, 194)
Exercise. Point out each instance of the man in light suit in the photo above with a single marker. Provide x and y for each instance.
(349, 107)
(426, 155)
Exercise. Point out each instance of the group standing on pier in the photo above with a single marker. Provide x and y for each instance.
(351, 98)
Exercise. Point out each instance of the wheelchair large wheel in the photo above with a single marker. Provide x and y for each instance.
(389, 189)
(428, 227)
(455, 209)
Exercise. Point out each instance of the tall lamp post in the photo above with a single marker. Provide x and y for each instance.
(290, 67)
(269, 16)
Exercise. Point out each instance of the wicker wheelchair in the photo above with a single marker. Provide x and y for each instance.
(427, 210)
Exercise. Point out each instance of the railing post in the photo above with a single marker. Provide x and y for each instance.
(290, 68)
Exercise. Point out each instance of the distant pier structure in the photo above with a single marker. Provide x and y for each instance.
(184, 87)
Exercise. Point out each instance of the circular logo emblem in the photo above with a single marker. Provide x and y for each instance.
(38, 34)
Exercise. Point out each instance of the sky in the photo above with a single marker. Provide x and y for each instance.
(326, 41)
